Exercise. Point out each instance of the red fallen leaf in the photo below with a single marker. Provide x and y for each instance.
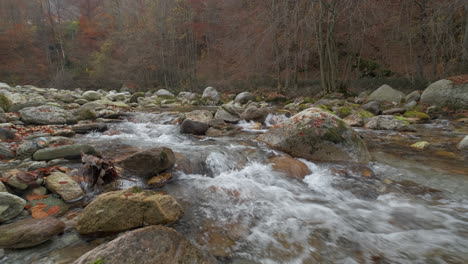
(63, 182)
(301, 134)
(128, 194)
(53, 210)
(27, 206)
(33, 197)
(38, 211)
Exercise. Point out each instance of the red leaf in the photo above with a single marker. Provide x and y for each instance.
(53, 210)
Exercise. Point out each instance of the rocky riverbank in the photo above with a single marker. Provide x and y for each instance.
(56, 182)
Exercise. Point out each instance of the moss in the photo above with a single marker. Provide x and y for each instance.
(5, 103)
(98, 261)
(344, 111)
(309, 100)
(416, 114)
(303, 107)
(364, 114)
(326, 108)
(136, 189)
(406, 122)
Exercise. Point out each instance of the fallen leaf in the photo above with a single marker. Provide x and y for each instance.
(53, 210)
(33, 197)
(63, 182)
(128, 194)
(38, 211)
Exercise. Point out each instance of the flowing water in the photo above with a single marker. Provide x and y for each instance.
(242, 211)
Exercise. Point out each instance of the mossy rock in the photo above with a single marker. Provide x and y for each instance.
(344, 111)
(5, 103)
(364, 114)
(405, 121)
(416, 114)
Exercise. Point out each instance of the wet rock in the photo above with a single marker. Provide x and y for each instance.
(150, 162)
(29, 232)
(451, 93)
(46, 115)
(91, 96)
(2, 187)
(421, 145)
(86, 114)
(153, 244)
(387, 122)
(244, 98)
(463, 145)
(10, 206)
(6, 134)
(63, 185)
(3, 118)
(290, 167)
(123, 210)
(385, 93)
(160, 180)
(85, 128)
(50, 201)
(135, 96)
(13, 178)
(203, 116)
(67, 152)
(64, 133)
(29, 147)
(6, 153)
(254, 113)
(164, 93)
(414, 96)
(211, 96)
(193, 127)
(394, 111)
(372, 107)
(226, 116)
(317, 135)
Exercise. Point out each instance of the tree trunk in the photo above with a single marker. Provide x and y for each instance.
(465, 39)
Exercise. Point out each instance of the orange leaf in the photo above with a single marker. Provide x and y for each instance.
(33, 197)
(53, 210)
(27, 206)
(37, 211)
(63, 182)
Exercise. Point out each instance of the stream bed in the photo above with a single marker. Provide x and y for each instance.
(415, 209)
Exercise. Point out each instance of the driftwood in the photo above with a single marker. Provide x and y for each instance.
(96, 171)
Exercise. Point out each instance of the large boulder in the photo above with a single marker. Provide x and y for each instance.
(385, 93)
(317, 135)
(29, 232)
(63, 185)
(387, 122)
(291, 167)
(203, 116)
(46, 115)
(254, 113)
(150, 162)
(244, 98)
(152, 244)
(13, 102)
(193, 127)
(226, 115)
(10, 206)
(211, 96)
(91, 96)
(451, 92)
(65, 152)
(126, 209)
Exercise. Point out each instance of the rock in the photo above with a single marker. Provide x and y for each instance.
(290, 167)
(164, 93)
(6, 153)
(394, 111)
(452, 93)
(244, 98)
(421, 145)
(5, 102)
(385, 93)
(214, 132)
(152, 244)
(203, 116)
(89, 127)
(64, 133)
(417, 115)
(6, 134)
(81, 101)
(410, 105)
(85, 114)
(193, 127)
(150, 162)
(211, 96)
(67, 152)
(187, 97)
(126, 209)
(160, 180)
(372, 107)
(46, 115)
(50, 201)
(2, 187)
(116, 96)
(387, 122)
(414, 96)
(10, 206)
(254, 113)
(317, 135)
(354, 120)
(63, 185)
(226, 116)
(29, 147)
(14, 181)
(91, 96)
(3, 118)
(29, 232)
(13, 102)
(135, 96)
(463, 145)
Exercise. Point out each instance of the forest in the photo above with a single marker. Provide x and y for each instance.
(287, 46)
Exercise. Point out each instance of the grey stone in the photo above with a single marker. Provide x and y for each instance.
(10, 206)
(445, 93)
(46, 115)
(385, 93)
(67, 152)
